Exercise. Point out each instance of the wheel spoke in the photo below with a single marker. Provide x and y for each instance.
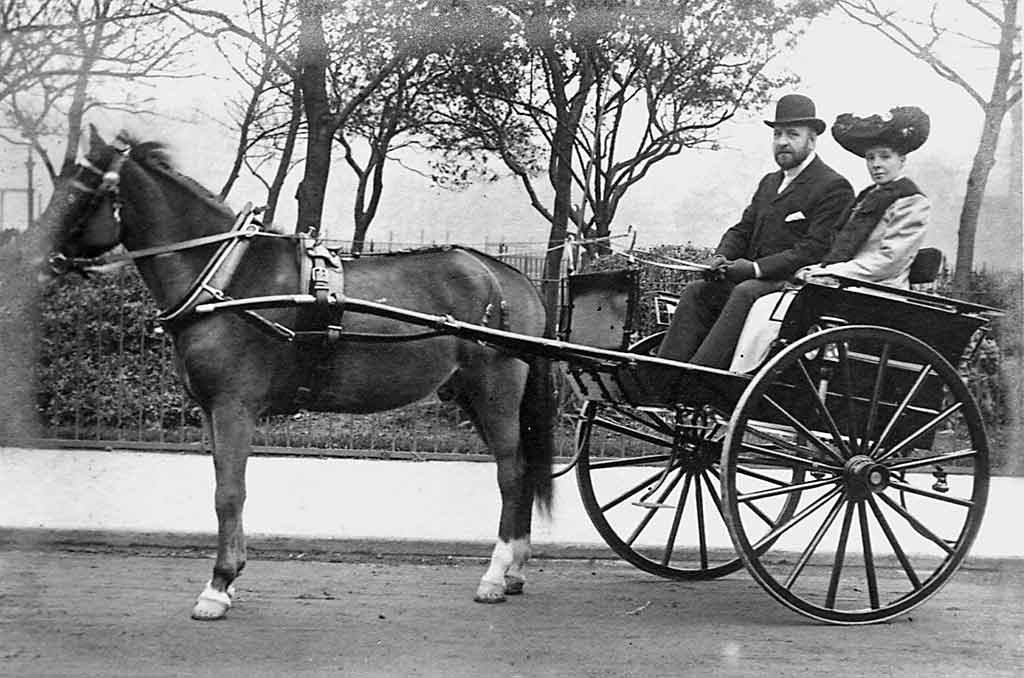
(761, 476)
(753, 507)
(869, 558)
(702, 536)
(837, 563)
(779, 530)
(805, 557)
(918, 526)
(782, 456)
(907, 399)
(906, 442)
(928, 461)
(848, 399)
(781, 442)
(670, 544)
(713, 491)
(819, 402)
(630, 461)
(788, 489)
(647, 419)
(616, 427)
(896, 548)
(651, 511)
(931, 495)
(631, 491)
(876, 396)
(796, 423)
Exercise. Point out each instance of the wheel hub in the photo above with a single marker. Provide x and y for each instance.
(865, 476)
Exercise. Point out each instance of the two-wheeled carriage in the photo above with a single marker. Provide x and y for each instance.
(848, 472)
(854, 448)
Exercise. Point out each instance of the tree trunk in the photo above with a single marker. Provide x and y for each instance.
(274, 192)
(76, 109)
(561, 179)
(984, 157)
(977, 180)
(320, 124)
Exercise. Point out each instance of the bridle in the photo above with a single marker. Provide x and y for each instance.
(109, 188)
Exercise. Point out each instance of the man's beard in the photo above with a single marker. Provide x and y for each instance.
(791, 160)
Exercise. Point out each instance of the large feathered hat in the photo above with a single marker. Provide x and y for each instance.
(904, 130)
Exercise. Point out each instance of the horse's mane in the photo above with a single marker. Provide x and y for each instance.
(155, 156)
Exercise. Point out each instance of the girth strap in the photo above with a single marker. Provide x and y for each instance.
(322, 274)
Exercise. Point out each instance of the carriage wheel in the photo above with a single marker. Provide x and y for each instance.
(895, 495)
(649, 479)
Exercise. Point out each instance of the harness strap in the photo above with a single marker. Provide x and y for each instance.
(322, 273)
(219, 270)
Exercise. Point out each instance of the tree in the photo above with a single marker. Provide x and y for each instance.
(54, 56)
(384, 125)
(608, 89)
(327, 32)
(96, 45)
(935, 39)
(261, 50)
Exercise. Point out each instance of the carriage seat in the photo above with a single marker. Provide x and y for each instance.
(765, 317)
(926, 265)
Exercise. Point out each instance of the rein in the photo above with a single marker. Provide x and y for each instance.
(209, 284)
(252, 229)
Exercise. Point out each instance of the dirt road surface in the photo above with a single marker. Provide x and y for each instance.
(75, 611)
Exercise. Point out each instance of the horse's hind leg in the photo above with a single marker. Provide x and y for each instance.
(230, 428)
(494, 403)
(515, 575)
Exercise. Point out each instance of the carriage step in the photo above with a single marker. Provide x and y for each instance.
(653, 505)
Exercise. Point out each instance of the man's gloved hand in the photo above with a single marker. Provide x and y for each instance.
(739, 270)
(718, 261)
(716, 267)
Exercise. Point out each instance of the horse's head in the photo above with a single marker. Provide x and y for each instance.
(82, 215)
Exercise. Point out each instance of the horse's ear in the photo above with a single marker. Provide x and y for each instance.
(95, 140)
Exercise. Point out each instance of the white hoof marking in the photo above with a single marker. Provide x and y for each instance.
(212, 604)
(490, 592)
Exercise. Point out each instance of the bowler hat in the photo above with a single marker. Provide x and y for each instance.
(796, 109)
(905, 130)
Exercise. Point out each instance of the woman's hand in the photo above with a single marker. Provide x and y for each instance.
(808, 272)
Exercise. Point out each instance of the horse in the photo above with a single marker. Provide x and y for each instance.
(241, 365)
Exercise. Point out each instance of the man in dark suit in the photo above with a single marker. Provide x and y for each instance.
(789, 224)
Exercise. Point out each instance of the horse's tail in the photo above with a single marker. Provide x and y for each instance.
(537, 425)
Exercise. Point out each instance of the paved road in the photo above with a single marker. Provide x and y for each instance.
(73, 611)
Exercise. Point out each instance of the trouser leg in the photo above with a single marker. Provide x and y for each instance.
(699, 305)
(719, 343)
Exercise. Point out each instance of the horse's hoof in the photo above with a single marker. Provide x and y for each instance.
(212, 604)
(514, 586)
(490, 593)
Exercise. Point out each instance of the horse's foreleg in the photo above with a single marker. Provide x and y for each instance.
(231, 437)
